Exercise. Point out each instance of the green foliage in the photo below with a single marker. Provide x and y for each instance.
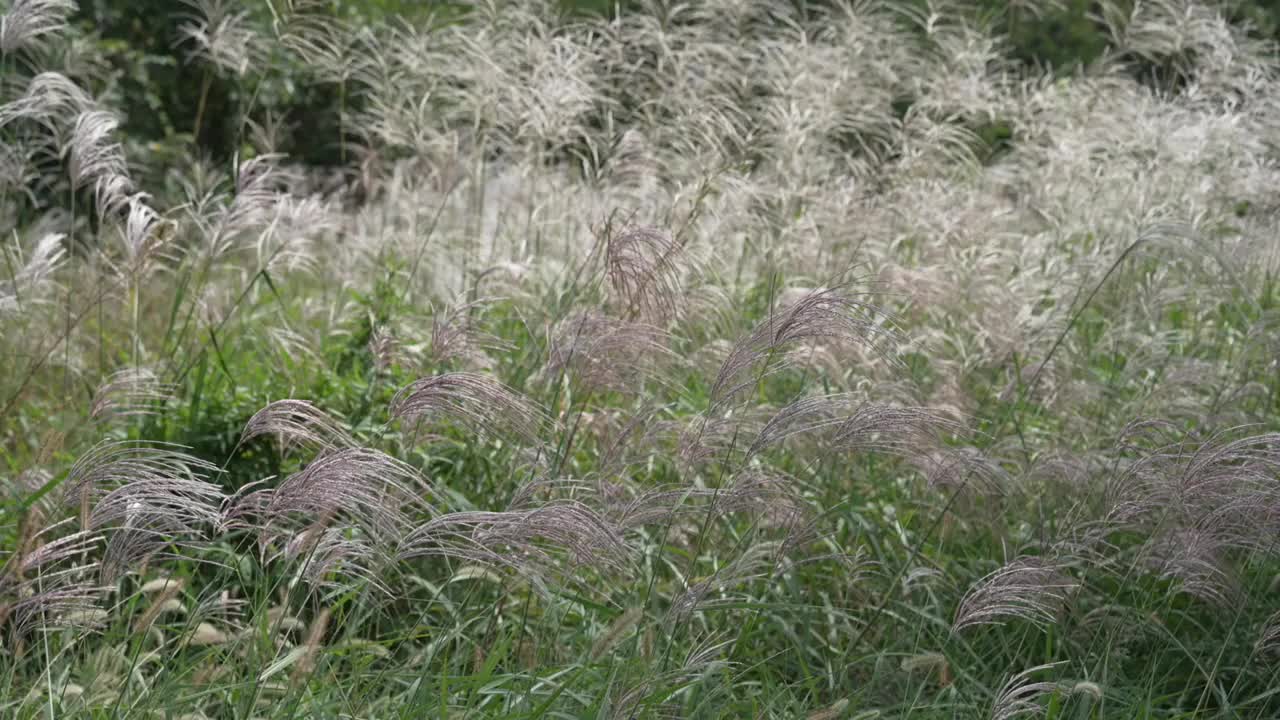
(1063, 37)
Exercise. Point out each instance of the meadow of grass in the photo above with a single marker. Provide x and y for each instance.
(725, 359)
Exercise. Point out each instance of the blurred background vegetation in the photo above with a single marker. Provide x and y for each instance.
(171, 102)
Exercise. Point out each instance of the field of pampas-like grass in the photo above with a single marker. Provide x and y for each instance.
(701, 360)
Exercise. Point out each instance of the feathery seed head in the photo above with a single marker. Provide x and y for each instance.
(643, 267)
(478, 401)
(1019, 697)
(604, 353)
(1030, 588)
(130, 391)
(294, 423)
(28, 23)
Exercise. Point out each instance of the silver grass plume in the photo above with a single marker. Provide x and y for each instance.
(540, 490)
(1268, 643)
(455, 337)
(527, 541)
(651, 506)
(605, 353)
(33, 276)
(1030, 588)
(366, 487)
(619, 437)
(248, 508)
(1198, 563)
(643, 266)
(1201, 502)
(963, 469)
(721, 586)
(770, 493)
(18, 173)
(113, 191)
(47, 584)
(1019, 697)
(854, 424)
(144, 234)
(479, 402)
(145, 496)
(50, 97)
(751, 491)
(705, 655)
(170, 505)
(29, 22)
(130, 392)
(384, 347)
(221, 36)
(297, 423)
(704, 438)
(61, 601)
(224, 218)
(92, 153)
(334, 49)
(828, 314)
(802, 533)
(41, 553)
(331, 557)
(111, 465)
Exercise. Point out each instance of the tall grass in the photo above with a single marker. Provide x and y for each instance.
(732, 359)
